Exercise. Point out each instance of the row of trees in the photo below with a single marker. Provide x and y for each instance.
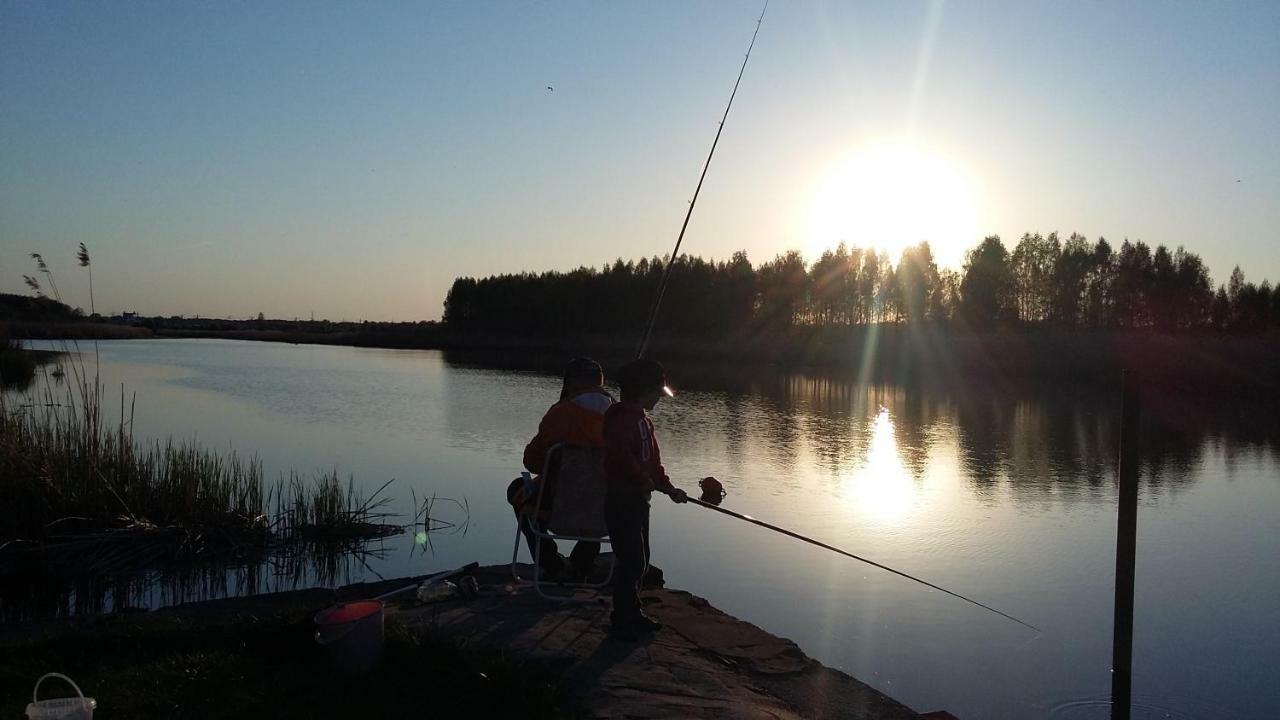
(1044, 281)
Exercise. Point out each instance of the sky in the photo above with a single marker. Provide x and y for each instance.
(351, 159)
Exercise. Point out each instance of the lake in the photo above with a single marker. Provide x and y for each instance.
(1008, 498)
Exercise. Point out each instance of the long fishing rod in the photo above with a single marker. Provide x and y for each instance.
(823, 545)
(666, 272)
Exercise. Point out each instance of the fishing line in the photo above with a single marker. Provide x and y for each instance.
(666, 272)
(823, 545)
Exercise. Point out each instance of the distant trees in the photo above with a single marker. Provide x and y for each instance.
(1043, 281)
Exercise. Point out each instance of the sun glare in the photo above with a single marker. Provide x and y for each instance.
(881, 489)
(892, 195)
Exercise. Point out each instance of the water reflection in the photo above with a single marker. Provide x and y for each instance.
(1027, 442)
(34, 587)
(1055, 445)
(881, 488)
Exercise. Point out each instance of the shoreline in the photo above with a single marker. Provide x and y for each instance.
(1245, 367)
(892, 353)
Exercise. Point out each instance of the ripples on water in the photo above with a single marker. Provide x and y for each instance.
(1005, 496)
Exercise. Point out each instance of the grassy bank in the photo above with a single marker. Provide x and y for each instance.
(17, 363)
(412, 336)
(86, 330)
(17, 367)
(268, 666)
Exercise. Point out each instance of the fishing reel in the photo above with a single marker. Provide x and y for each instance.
(712, 491)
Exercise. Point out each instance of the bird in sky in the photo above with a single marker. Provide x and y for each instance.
(551, 88)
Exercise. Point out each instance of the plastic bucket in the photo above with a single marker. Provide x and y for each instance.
(76, 708)
(353, 634)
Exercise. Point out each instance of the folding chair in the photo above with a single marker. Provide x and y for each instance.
(576, 508)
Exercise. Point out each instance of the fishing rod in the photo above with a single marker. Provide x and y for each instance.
(811, 541)
(666, 272)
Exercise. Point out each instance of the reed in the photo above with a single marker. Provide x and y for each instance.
(65, 471)
(323, 510)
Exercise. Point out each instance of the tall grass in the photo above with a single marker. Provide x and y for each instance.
(323, 510)
(64, 470)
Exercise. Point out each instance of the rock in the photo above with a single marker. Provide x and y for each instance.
(702, 664)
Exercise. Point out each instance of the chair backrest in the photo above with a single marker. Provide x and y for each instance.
(577, 502)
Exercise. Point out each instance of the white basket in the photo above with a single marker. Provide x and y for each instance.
(76, 708)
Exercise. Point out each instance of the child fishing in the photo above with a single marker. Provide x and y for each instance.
(633, 470)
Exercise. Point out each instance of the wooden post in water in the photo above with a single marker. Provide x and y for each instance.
(1126, 549)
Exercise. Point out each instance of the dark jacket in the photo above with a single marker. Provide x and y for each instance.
(632, 461)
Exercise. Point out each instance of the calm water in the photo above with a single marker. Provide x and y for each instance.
(1010, 500)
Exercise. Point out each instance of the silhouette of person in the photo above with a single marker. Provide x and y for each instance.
(633, 470)
(576, 419)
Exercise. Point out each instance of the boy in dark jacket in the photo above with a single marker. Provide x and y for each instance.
(633, 469)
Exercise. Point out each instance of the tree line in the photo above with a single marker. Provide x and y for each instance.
(1043, 281)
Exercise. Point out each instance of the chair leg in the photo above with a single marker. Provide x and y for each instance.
(537, 574)
(515, 552)
(537, 564)
(538, 583)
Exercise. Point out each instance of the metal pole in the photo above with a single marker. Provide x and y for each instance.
(1126, 549)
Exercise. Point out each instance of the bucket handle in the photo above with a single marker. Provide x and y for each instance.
(35, 692)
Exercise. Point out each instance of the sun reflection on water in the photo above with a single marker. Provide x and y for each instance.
(881, 487)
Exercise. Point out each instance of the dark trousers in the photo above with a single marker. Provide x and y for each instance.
(582, 559)
(627, 516)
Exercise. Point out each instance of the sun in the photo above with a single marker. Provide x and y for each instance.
(891, 195)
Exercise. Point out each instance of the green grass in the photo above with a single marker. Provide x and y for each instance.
(164, 667)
